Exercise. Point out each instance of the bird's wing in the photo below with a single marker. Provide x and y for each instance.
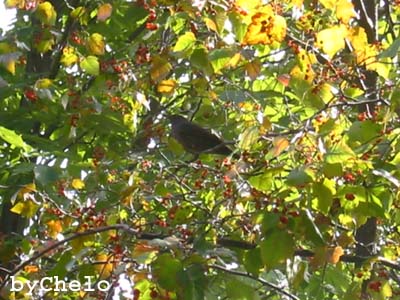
(195, 138)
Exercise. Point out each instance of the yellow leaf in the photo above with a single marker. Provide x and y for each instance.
(26, 189)
(104, 267)
(345, 11)
(160, 68)
(77, 184)
(167, 86)
(265, 27)
(95, 44)
(248, 5)
(46, 13)
(26, 208)
(233, 62)
(249, 137)
(10, 66)
(253, 69)
(104, 12)
(68, 57)
(331, 40)
(43, 83)
(210, 24)
(280, 144)
(54, 227)
(14, 3)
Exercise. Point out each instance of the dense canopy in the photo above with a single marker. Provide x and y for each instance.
(93, 187)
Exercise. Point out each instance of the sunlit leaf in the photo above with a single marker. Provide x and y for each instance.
(331, 45)
(90, 65)
(25, 208)
(69, 56)
(249, 137)
(46, 13)
(96, 44)
(13, 138)
(104, 267)
(167, 86)
(265, 27)
(54, 227)
(77, 184)
(185, 43)
(280, 144)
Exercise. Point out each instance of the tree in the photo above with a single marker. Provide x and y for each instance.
(93, 188)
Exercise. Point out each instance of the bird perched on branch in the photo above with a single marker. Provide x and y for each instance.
(196, 139)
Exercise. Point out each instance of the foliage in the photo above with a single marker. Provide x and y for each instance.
(92, 185)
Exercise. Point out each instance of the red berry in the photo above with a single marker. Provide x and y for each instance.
(151, 26)
(349, 177)
(350, 196)
(284, 219)
(31, 95)
(153, 294)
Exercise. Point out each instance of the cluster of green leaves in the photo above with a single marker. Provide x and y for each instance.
(309, 99)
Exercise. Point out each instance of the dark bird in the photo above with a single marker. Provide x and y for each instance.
(196, 139)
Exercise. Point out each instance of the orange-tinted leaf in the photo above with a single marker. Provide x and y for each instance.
(104, 12)
(253, 69)
(167, 86)
(284, 79)
(95, 44)
(265, 28)
(31, 269)
(334, 254)
(280, 144)
(54, 227)
(104, 267)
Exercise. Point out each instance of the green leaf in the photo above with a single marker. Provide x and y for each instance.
(13, 138)
(238, 290)
(392, 50)
(199, 59)
(90, 65)
(338, 154)
(219, 58)
(276, 248)
(166, 270)
(332, 170)
(363, 132)
(185, 44)
(262, 182)
(252, 261)
(323, 192)
(192, 282)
